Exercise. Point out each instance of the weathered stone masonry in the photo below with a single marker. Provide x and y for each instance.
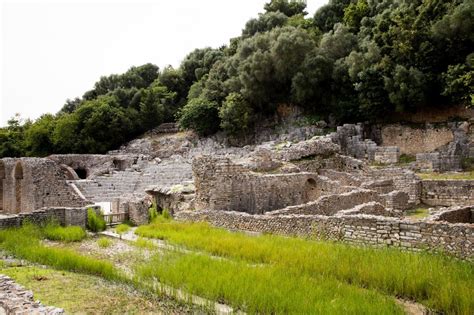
(63, 215)
(223, 185)
(457, 239)
(447, 192)
(28, 184)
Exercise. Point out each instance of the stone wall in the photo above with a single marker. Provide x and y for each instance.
(447, 192)
(456, 239)
(64, 216)
(331, 204)
(33, 183)
(223, 185)
(412, 140)
(14, 299)
(403, 180)
(455, 214)
(95, 164)
(387, 155)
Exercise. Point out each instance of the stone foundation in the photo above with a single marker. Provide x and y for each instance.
(447, 192)
(455, 239)
(64, 216)
(14, 299)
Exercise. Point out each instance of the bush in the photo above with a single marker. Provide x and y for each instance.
(166, 214)
(236, 114)
(55, 232)
(200, 115)
(121, 229)
(152, 213)
(104, 242)
(95, 222)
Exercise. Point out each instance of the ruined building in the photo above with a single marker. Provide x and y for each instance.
(347, 184)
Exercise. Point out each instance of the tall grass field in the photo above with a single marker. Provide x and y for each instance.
(437, 281)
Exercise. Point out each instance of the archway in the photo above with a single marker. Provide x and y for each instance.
(69, 172)
(2, 178)
(81, 172)
(18, 179)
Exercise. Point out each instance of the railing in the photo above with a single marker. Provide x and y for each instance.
(115, 218)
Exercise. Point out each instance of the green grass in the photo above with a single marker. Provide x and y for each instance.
(437, 281)
(85, 294)
(264, 289)
(418, 213)
(55, 232)
(25, 243)
(447, 176)
(144, 243)
(122, 228)
(104, 242)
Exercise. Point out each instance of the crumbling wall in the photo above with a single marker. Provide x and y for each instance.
(403, 180)
(411, 140)
(89, 165)
(387, 155)
(456, 239)
(223, 185)
(455, 214)
(447, 192)
(33, 183)
(63, 215)
(331, 204)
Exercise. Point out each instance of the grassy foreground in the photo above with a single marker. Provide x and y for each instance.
(25, 243)
(439, 282)
(86, 294)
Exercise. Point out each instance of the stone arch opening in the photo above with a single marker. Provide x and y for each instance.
(18, 179)
(81, 172)
(311, 189)
(2, 178)
(69, 172)
(120, 165)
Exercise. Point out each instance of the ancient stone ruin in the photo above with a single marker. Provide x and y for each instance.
(349, 184)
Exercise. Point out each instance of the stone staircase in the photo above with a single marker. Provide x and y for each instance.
(118, 184)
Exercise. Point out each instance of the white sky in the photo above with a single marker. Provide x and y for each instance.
(54, 50)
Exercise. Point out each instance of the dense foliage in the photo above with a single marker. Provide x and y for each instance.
(353, 60)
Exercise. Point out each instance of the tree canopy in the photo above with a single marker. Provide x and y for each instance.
(351, 60)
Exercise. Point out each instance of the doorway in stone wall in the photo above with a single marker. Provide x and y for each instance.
(18, 179)
(81, 172)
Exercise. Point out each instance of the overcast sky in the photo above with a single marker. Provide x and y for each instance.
(54, 50)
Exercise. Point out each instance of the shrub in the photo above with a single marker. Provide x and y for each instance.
(121, 229)
(152, 213)
(166, 214)
(406, 159)
(95, 222)
(236, 114)
(55, 232)
(104, 242)
(200, 115)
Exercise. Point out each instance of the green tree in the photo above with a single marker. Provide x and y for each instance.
(287, 7)
(264, 23)
(354, 13)
(236, 114)
(39, 136)
(200, 115)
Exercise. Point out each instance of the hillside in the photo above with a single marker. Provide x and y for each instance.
(352, 60)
